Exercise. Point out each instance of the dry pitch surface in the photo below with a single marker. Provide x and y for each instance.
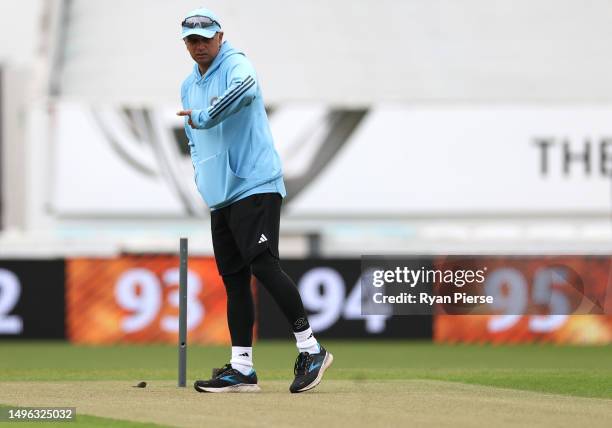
(334, 403)
(371, 384)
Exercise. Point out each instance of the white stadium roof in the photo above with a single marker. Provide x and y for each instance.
(348, 52)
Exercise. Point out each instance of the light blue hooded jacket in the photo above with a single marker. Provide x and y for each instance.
(232, 149)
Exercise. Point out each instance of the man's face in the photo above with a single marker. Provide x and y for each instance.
(203, 50)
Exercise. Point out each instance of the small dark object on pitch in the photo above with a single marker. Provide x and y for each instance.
(141, 385)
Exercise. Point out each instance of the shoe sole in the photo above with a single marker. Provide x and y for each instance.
(242, 387)
(329, 359)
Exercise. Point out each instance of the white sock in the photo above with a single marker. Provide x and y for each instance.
(242, 359)
(306, 341)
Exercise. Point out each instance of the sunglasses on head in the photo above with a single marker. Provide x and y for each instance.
(199, 22)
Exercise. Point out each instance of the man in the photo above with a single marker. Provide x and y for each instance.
(238, 173)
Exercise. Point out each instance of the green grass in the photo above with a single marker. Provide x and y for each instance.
(580, 371)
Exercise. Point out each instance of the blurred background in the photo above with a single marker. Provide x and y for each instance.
(410, 128)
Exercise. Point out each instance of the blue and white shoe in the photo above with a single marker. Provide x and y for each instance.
(227, 379)
(309, 369)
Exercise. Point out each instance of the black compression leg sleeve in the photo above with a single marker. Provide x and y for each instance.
(283, 290)
(240, 311)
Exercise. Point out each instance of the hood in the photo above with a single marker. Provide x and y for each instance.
(225, 52)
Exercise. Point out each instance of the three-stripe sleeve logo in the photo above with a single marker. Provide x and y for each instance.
(233, 95)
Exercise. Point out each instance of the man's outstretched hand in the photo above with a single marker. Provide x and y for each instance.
(186, 113)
